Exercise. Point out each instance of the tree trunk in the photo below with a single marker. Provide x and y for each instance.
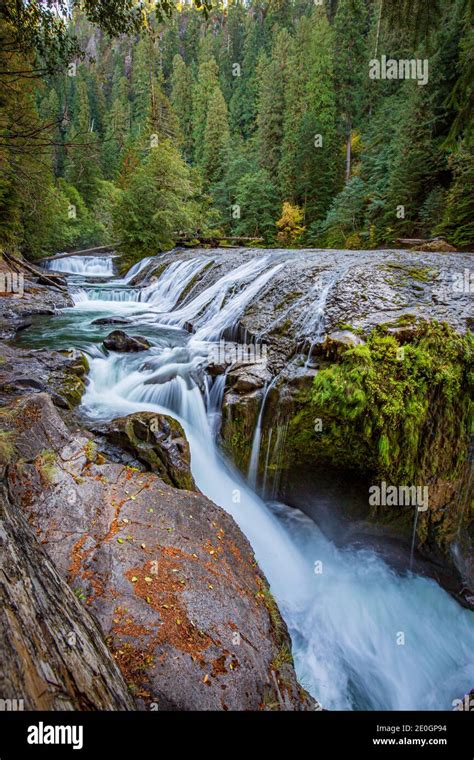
(348, 153)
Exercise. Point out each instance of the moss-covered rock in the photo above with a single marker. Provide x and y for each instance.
(159, 442)
(239, 417)
(402, 414)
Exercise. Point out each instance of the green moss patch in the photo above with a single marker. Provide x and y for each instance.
(391, 410)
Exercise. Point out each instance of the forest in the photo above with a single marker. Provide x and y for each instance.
(260, 119)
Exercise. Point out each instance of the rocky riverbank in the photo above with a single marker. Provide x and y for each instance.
(148, 594)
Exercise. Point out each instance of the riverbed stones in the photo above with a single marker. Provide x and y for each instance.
(53, 655)
(62, 373)
(111, 321)
(119, 341)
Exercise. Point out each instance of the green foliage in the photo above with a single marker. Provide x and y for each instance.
(345, 216)
(257, 200)
(458, 219)
(378, 402)
(216, 140)
(157, 205)
(266, 102)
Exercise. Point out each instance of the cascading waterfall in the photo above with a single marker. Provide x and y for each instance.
(313, 324)
(86, 266)
(218, 306)
(344, 608)
(252, 474)
(163, 291)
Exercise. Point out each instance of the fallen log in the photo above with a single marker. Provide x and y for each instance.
(53, 654)
(19, 264)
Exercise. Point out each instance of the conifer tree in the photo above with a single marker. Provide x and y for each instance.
(181, 100)
(216, 140)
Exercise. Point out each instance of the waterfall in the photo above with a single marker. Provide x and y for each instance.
(221, 304)
(86, 266)
(345, 608)
(314, 323)
(413, 537)
(162, 293)
(252, 475)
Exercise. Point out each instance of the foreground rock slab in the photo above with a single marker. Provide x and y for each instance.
(169, 576)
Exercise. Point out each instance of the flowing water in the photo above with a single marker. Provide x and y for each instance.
(86, 266)
(363, 636)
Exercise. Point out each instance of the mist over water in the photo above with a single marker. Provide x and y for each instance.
(347, 611)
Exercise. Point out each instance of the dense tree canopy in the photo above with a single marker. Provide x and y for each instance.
(263, 113)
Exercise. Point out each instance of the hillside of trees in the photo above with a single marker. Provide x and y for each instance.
(258, 119)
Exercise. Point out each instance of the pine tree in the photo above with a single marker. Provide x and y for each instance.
(157, 204)
(257, 204)
(243, 103)
(458, 220)
(216, 140)
(181, 100)
(316, 169)
(207, 82)
(83, 167)
(117, 130)
(273, 80)
(350, 72)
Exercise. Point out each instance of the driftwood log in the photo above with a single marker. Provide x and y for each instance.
(53, 656)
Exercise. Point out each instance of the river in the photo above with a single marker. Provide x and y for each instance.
(364, 637)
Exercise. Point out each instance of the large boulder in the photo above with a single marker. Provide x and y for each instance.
(61, 373)
(119, 341)
(169, 576)
(159, 442)
(53, 655)
(246, 378)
